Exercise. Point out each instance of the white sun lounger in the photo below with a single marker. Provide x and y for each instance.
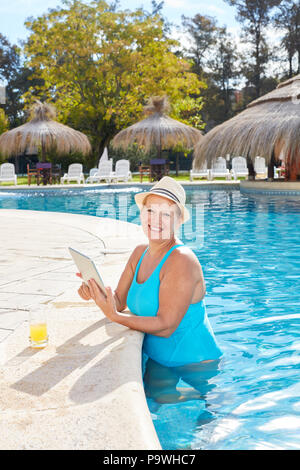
(239, 167)
(104, 172)
(219, 169)
(7, 173)
(203, 172)
(93, 172)
(122, 171)
(75, 173)
(260, 167)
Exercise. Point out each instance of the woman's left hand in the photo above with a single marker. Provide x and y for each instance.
(107, 304)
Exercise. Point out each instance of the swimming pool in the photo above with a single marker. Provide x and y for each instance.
(249, 251)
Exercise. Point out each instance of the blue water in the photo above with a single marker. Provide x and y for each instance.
(249, 250)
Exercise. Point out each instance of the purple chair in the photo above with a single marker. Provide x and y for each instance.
(45, 170)
(158, 168)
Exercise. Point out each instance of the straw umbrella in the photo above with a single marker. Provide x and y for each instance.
(43, 131)
(157, 130)
(268, 127)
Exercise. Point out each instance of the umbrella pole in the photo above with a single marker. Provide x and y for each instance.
(43, 153)
(17, 163)
(271, 167)
(177, 163)
(159, 150)
(251, 175)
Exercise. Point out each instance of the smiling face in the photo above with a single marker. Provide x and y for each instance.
(160, 218)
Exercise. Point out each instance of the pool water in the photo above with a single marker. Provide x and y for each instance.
(250, 254)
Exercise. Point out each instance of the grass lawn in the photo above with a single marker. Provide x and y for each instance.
(22, 180)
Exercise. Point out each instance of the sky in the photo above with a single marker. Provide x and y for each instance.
(14, 13)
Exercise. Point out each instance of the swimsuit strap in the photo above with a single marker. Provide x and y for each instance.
(168, 254)
(139, 262)
(159, 264)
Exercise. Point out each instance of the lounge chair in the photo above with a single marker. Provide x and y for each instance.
(219, 169)
(260, 167)
(239, 167)
(104, 172)
(122, 171)
(203, 172)
(7, 173)
(75, 173)
(93, 172)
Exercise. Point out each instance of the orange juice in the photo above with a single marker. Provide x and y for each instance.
(38, 335)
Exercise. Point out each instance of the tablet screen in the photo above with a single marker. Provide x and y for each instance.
(87, 268)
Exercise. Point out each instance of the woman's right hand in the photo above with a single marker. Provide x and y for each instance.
(84, 290)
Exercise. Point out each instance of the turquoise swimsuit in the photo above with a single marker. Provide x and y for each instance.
(193, 340)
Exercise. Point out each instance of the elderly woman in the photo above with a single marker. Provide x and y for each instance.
(162, 285)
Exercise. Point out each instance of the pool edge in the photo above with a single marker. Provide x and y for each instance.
(139, 432)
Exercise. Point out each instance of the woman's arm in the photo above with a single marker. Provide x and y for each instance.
(175, 294)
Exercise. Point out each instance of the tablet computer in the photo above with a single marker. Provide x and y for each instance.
(87, 268)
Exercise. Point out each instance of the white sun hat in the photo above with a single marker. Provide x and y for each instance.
(170, 189)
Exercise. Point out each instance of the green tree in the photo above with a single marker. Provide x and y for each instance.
(3, 121)
(99, 65)
(255, 16)
(288, 20)
(214, 57)
(203, 33)
(16, 78)
(3, 126)
(224, 69)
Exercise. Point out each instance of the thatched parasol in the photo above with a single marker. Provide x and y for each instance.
(157, 130)
(268, 127)
(43, 131)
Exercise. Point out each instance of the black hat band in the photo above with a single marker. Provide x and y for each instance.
(165, 192)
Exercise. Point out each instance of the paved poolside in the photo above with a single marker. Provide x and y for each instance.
(85, 390)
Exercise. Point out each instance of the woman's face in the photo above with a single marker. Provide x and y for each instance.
(160, 218)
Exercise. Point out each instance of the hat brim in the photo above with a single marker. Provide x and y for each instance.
(140, 197)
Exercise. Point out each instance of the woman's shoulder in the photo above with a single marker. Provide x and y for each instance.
(184, 254)
(183, 263)
(139, 249)
(137, 253)
(183, 258)
(135, 256)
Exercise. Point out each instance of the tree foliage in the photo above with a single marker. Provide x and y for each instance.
(99, 65)
(203, 31)
(288, 20)
(3, 121)
(16, 78)
(213, 53)
(255, 16)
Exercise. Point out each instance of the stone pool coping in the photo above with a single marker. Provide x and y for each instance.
(271, 187)
(85, 389)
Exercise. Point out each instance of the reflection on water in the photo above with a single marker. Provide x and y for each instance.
(162, 383)
(178, 395)
(251, 264)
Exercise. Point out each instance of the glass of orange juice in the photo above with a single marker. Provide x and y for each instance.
(38, 334)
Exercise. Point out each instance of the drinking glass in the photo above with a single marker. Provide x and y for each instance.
(38, 334)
